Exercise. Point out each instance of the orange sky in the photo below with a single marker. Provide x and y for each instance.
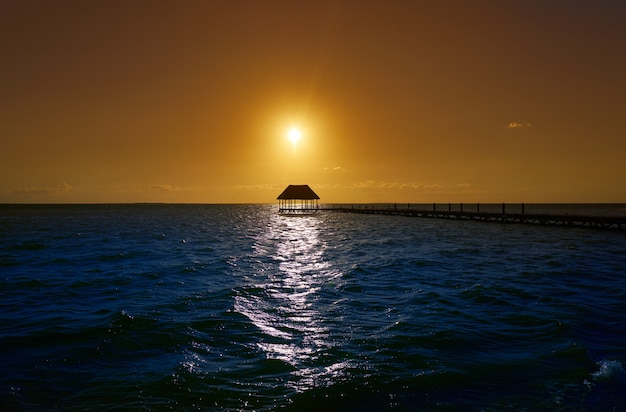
(403, 101)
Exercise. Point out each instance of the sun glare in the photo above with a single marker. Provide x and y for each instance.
(294, 135)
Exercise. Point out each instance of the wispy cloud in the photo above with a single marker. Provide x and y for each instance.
(364, 184)
(262, 186)
(37, 191)
(413, 188)
(372, 184)
(420, 186)
(518, 125)
(163, 188)
(335, 169)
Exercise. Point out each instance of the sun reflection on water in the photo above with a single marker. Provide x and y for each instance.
(285, 303)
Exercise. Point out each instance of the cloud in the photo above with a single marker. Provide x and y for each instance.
(516, 125)
(335, 169)
(364, 185)
(37, 191)
(420, 186)
(371, 184)
(262, 186)
(163, 188)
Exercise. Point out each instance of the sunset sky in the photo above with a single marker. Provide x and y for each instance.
(396, 101)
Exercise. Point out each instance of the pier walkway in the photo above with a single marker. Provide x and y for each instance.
(507, 213)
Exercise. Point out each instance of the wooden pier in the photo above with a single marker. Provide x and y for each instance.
(518, 215)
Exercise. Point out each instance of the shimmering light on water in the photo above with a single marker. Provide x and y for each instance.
(283, 300)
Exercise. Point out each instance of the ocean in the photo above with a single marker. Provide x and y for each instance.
(236, 307)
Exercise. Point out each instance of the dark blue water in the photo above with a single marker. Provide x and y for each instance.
(211, 307)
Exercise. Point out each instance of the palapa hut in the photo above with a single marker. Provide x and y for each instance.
(297, 199)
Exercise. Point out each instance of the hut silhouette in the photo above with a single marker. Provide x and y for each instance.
(297, 199)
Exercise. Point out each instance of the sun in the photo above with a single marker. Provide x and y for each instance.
(294, 135)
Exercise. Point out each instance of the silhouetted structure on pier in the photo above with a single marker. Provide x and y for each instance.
(298, 199)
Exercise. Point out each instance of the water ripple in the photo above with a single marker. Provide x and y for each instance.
(206, 307)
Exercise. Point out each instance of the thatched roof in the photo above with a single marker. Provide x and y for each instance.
(299, 192)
